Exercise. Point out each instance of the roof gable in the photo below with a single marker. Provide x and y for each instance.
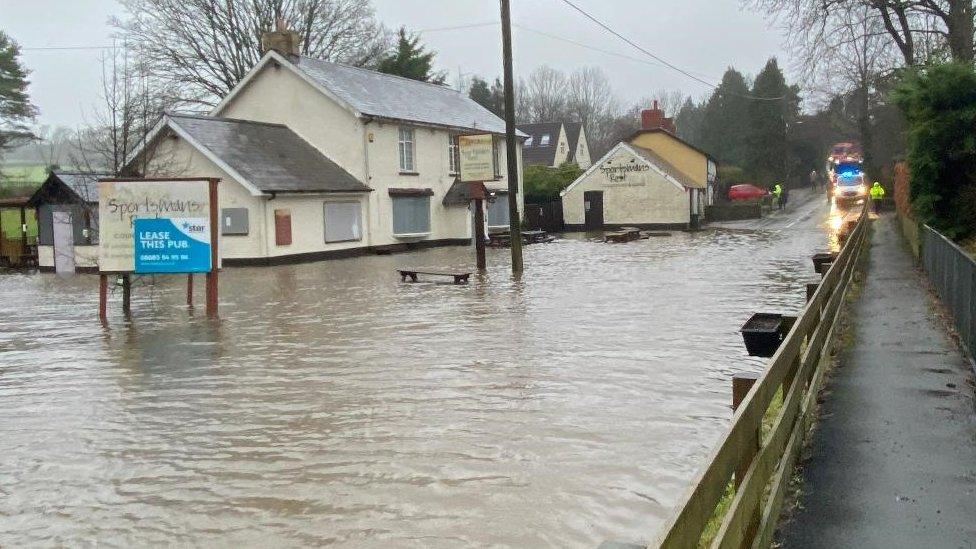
(79, 186)
(533, 152)
(652, 160)
(265, 158)
(674, 138)
(366, 93)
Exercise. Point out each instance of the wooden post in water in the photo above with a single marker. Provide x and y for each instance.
(126, 294)
(479, 237)
(214, 256)
(103, 297)
(511, 147)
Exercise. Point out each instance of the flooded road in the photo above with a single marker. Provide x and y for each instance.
(332, 404)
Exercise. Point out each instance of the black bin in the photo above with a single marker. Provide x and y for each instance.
(762, 334)
(822, 261)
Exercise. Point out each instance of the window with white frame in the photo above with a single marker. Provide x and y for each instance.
(405, 147)
(452, 154)
(528, 141)
(411, 215)
(544, 140)
(343, 221)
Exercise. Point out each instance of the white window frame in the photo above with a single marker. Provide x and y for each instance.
(528, 141)
(544, 140)
(453, 155)
(407, 149)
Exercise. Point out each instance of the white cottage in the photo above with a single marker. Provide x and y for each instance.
(631, 187)
(553, 143)
(319, 159)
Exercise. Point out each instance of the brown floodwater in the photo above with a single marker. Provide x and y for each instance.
(332, 404)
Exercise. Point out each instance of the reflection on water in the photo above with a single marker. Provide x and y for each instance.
(333, 404)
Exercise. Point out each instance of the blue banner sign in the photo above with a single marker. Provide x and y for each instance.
(171, 245)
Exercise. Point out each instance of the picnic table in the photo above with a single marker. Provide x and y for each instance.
(460, 277)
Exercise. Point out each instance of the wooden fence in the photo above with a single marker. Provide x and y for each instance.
(765, 461)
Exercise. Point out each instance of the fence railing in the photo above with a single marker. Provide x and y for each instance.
(953, 273)
(765, 461)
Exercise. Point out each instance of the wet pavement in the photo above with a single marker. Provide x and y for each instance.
(893, 459)
(332, 404)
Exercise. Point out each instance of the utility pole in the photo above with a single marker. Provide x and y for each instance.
(511, 146)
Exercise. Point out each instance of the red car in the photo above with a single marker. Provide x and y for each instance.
(746, 191)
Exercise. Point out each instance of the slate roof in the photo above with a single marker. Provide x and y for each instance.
(83, 185)
(535, 154)
(270, 157)
(572, 135)
(666, 167)
(393, 97)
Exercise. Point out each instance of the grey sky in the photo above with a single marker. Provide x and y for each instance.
(701, 36)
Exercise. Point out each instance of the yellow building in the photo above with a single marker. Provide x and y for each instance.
(658, 134)
(654, 179)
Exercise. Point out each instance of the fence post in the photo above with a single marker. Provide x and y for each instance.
(741, 383)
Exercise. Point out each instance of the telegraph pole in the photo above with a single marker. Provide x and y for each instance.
(511, 146)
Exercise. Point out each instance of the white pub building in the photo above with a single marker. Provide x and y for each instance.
(318, 159)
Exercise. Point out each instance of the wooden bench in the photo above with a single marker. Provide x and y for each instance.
(460, 277)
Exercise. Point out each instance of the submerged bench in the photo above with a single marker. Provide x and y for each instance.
(460, 277)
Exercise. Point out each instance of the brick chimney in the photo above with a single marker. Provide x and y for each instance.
(654, 119)
(281, 40)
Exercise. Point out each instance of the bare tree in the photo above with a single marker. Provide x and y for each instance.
(205, 47)
(919, 28)
(669, 101)
(590, 101)
(129, 107)
(544, 94)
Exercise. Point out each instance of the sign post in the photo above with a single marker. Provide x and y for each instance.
(477, 165)
(158, 226)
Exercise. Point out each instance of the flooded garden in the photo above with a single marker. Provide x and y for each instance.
(333, 404)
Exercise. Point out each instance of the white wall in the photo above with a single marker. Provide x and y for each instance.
(180, 159)
(308, 223)
(642, 197)
(85, 256)
(279, 96)
(583, 151)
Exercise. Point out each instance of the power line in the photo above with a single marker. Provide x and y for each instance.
(551, 37)
(50, 48)
(659, 59)
(459, 27)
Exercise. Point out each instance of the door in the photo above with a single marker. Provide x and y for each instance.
(593, 210)
(64, 242)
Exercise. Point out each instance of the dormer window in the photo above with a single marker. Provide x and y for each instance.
(544, 140)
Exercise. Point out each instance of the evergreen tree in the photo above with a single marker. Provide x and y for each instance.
(16, 110)
(725, 119)
(773, 107)
(689, 121)
(490, 97)
(940, 108)
(408, 59)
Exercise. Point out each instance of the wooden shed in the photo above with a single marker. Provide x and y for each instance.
(67, 221)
